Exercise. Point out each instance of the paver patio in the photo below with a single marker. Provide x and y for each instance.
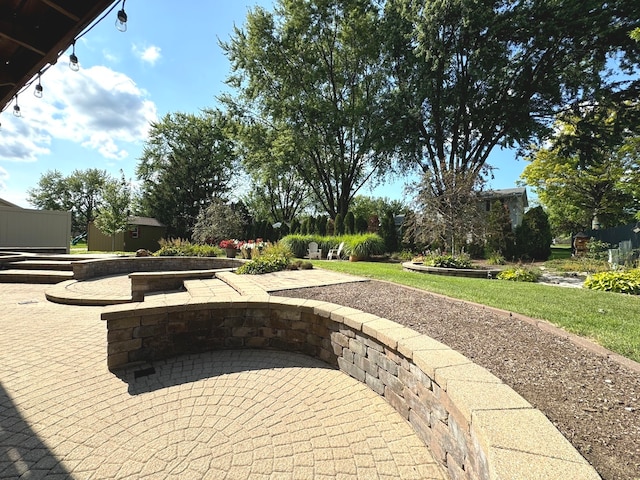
(230, 414)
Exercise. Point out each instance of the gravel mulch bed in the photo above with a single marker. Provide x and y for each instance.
(591, 399)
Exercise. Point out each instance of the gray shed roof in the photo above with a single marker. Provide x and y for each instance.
(144, 221)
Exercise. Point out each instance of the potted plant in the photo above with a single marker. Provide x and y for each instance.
(230, 247)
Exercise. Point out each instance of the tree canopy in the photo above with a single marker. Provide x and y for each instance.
(80, 193)
(114, 213)
(473, 75)
(315, 68)
(186, 163)
(268, 154)
(582, 177)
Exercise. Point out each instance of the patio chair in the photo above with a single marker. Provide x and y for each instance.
(335, 252)
(313, 252)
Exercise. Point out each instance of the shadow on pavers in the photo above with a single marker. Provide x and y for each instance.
(159, 374)
(22, 453)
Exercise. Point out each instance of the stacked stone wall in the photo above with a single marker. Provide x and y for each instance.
(475, 425)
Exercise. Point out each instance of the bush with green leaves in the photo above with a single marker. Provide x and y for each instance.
(597, 250)
(364, 245)
(448, 261)
(274, 258)
(177, 247)
(519, 274)
(495, 258)
(620, 282)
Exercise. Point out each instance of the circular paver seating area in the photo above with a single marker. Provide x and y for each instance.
(214, 415)
(476, 426)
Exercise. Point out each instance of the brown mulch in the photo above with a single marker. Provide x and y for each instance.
(590, 398)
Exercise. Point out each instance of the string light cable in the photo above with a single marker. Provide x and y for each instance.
(121, 17)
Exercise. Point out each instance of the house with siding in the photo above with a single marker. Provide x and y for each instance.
(514, 198)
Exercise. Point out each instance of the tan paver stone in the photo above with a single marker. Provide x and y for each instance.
(526, 432)
(407, 346)
(429, 361)
(515, 464)
(467, 372)
(471, 397)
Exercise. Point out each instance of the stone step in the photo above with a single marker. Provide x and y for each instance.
(58, 265)
(34, 276)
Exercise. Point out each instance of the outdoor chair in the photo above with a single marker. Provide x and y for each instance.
(313, 251)
(335, 252)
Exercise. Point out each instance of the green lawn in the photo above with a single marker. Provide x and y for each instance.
(610, 319)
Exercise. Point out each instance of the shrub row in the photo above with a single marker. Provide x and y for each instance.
(183, 248)
(362, 245)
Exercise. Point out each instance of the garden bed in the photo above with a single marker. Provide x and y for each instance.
(455, 272)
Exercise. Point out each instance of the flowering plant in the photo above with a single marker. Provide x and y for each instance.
(252, 248)
(230, 244)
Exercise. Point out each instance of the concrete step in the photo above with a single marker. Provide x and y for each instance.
(34, 276)
(58, 265)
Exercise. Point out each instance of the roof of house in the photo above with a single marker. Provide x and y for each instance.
(144, 221)
(6, 203)
(505, 193)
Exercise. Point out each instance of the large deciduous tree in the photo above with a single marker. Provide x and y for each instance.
(278, 191)
(186, 163)
(473, 75)
(80, 193)
(114, 213)
(582, 177)
(316, 68)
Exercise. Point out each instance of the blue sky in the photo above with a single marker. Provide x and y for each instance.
(168, 60)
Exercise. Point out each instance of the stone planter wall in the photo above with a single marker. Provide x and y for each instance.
(475, 425)
(85, 269)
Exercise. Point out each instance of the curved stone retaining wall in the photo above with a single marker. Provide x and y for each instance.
(475, 425)
(452, 272)
(85, 269)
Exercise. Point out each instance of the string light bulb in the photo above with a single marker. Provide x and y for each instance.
(121, 20)
(16, 109)
(73, 59)
(38, 90)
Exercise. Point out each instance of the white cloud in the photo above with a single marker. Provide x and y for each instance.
(3, 177)
(110, 57)
(149, 55)
(97, 107)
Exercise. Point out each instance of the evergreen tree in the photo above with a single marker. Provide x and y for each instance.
(322, 225)
(361, 224)
(500, 237)
(389, 233)
(339, 225)
(533, 236)
(350, 223)
(295, 226)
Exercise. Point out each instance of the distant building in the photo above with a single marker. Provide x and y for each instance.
(514, 198)
(28, 230)
(143, 232)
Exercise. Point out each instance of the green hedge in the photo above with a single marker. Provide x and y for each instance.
(362, 246)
